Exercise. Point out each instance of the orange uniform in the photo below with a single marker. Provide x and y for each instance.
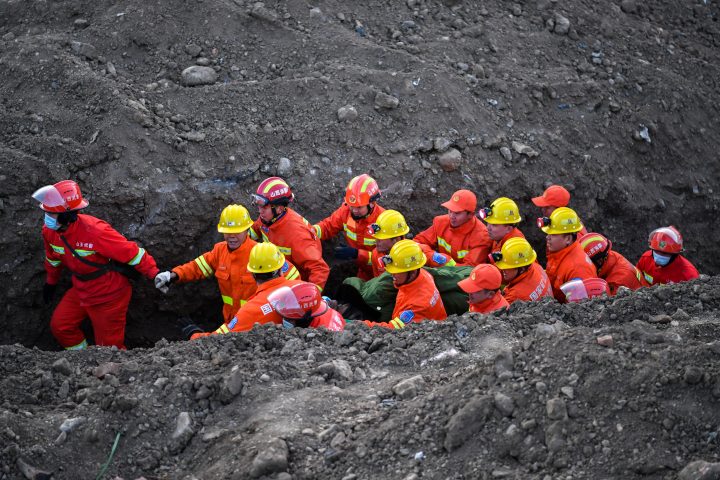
(493, 303)
(356, 234)
(618, 272)
(230, 268)
(416, 301)
(434, 259)
(679, 270)
(530, 286)
(296, 239)
(514, 233)
(256, 310)
(567, 264)
(469, 244)
(330, 320)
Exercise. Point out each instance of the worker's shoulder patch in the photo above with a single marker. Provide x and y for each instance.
(266, 309)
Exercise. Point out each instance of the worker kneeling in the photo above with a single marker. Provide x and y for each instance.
(302, 306)
(265, 263)
(418, 298)
(483, 289)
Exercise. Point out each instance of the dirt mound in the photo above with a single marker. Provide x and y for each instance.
(623, 388)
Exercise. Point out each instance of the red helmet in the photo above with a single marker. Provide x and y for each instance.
(64, 196)
(361, 191)
(576, 289)
(273, 191)
(595, 244)
(666, 239)
(298, 301)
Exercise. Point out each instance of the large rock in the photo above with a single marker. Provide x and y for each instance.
(273, 458)
(450, 160)
(383, 100)
(197, 75)
(467, 421)
(337, 369)
(409, 387)
(700, 470)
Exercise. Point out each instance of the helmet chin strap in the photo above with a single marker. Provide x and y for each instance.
(370, 206)
(66, 218)
(275, 216)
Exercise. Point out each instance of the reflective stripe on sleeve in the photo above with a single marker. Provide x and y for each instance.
(54, 263)
(203, 266)
(58, 249)
(318, 231)
(369, 242)
(462, 253)
(80, 346)
(349, 233)
(441, 242)
(397, 323)
(85, 253)
(137, 257)
(222, 329)
(293, 274)
(227, 300)
(285, 250)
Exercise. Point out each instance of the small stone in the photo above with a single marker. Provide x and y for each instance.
(700, 470)
(198, 75)
(80, 23)
(338, 439)
(71, 424)
(628, 6)
(62, 366)
(467, 421)
(504, 404)
(284, 167)
(109, 368)
(348, 113)
(193, 50)
(84, 50)
(441, 144)
(680, 315)
(183, 425)
(409, 387)
(383, 100)
(264, 377)
(273, 458)
(556, 409)
(450, 160)
(338, 369)
(541, 387)
(693, 375)
(605, 340)
(506, 153)
(562, 25)
(523, 149)
(568, 392)
(662, 318)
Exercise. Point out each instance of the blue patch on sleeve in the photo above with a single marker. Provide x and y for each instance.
(232, 323)
(285, 267)
(439, 258)
(407, 316)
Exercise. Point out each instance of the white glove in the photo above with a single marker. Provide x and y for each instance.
(162, 281)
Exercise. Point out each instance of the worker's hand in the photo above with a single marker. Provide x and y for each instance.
(48, 293)
(346, 253)
(188, 328)
(163, 281)
(439, 258)
(405, 317)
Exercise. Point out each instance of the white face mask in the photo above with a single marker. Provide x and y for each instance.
(661, 259)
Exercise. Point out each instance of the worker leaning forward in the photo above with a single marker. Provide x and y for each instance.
(524, 278)
(418, 298)
(459, 233)
(227, 262)
(353, 217)
(566, 259)
(100, 260)
(265, 263)
(294, 236)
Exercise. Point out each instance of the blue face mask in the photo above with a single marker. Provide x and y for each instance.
(660, 259)
(287, 324)
(51, 222)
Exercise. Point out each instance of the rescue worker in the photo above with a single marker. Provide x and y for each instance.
(100, 260)
(303, 306)
(266, 263)
(353, 218)
(501, 217)
(483, 289)
(577, 290)
(663, 263)
(615, 269)
(555, 196)
(295, 238)
(459, 233)
(566, 260)
(418, 298)
(524, 278)
(390, 228)
(227, 262)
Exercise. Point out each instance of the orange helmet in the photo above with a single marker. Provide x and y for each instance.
(273, 191)
(64, 196)
(361, 191)
(666, 239)
(595, 244)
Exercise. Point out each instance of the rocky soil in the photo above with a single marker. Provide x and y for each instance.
(165, 112)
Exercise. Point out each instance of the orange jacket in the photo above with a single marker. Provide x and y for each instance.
(230, 268)
(96, 241)
(515, 232)
(256, 310)
(434, 259)
(569, 263)
(469, 244)
(331, 320)
(296, 239)
(416, 301)
(619, 272)
(356, 234)
(679, 270)
(531, 286)
(496, 302)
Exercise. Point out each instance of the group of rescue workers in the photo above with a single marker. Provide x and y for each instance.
(271, 270)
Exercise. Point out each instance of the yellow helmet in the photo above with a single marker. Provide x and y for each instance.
(502, 211)
(265, 258)
(562, 220)
(404, 256)
(234, 219)
(389, 224)
(515, 253)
